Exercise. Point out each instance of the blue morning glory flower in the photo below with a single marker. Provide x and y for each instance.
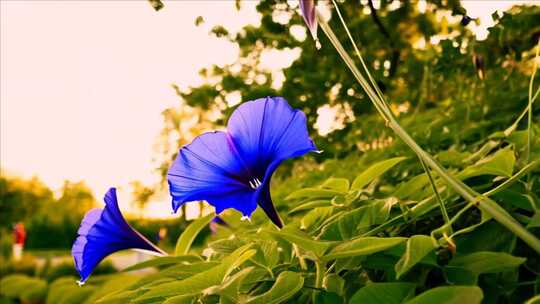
(103, 232)
(308, 9)
(233, 169)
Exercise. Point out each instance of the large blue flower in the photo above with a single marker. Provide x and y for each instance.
(103, 232)
(233, 169)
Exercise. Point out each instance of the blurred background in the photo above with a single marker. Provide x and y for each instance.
(99, 94)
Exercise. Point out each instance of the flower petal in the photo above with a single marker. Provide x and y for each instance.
(103, 232)
(210, 169)
(266, 204)
(268, 130)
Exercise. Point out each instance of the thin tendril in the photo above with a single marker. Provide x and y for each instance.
(439, 199)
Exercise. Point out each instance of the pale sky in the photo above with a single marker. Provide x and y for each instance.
(83, 83)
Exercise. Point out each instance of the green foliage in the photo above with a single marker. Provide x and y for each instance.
(418, 247)
(287, 284)
(28, 289)
(383, 293)
(453, 294)
(188, 236)
(383, 242)
(67, 268)
(27, 265)
(362, 246)
(373, 172)
(317, 248)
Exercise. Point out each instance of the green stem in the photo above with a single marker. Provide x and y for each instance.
(424, 206)
(513, 127)
(383, 111)
(436, 192)
(301, 260)
(357, 52)
(529, 116)
(485, 204)
(319, 275)
(525, 170)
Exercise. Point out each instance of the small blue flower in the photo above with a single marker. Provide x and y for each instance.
(233, 169)
(308, 9)
(103, 232)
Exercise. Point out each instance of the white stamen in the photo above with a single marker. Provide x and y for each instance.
(80, 283)
(255, 183)
(245, 218)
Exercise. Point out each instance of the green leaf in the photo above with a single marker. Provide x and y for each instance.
(356, 221)
(534, 221)
(334, 283)
(230, 289)
(313, 193)
(36, 292)
(482, 152)
(487, 262)
(226, 246)
(120, 297)
(374, 171)
(164, 261)
(188, 236)
(310, 205)
(362, 246)
(325, 297)
(57, 289)
(318, 248)
(338, 184)
(460, 276)
(500, 163)
(516, 198)
(116, 283)
(179, 271)
(412, 186)
(199, 281)
(268, 255)
(74, 294)
(477, 240)
(452, 158)
(418, 246)
(287, 284)
(182, 299)
(315, 217)
(533, 300)
(450, 295)
(14, 286)
(383, 293)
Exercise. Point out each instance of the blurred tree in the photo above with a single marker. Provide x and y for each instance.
(141, 195)
(55, 224)
(20, 199)
(76, 199)
(421, 54)
(50, 222)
